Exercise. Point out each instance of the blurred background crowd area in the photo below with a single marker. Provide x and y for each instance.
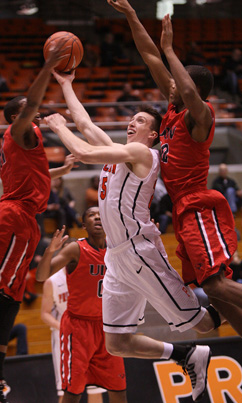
(111, 60)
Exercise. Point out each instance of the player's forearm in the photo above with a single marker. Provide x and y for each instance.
(184, 83)
(37, 90)
(92, 133)
(149, 53)
(74, 144)
(58, 172)
(44, 266)
(143, 41)
(50, 320)
(75, 107)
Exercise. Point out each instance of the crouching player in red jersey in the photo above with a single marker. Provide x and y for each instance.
(84, 358)
(26, 178)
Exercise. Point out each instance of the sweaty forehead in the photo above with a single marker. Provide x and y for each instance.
(92, 210)
(146, 116)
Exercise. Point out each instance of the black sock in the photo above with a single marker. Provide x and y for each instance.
(179, 352)
(2, 356)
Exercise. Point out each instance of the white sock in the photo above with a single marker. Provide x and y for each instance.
(168, 349)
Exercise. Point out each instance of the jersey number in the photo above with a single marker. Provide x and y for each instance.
(100, 289)
(164, 152)
(104, 188)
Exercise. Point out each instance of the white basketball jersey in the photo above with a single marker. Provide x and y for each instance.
(60, 293)
(124, 201)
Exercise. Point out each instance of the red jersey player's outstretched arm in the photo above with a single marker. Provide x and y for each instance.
(22, 131)
(198, 116)
(49, 263)
(146, 47)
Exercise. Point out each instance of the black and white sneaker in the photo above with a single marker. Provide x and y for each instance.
(2, 394)
(196, 365)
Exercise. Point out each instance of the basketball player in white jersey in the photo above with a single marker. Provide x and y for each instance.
(54, 301)
(137, 266)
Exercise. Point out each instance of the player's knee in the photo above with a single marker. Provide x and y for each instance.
(115, 344)
(214, 287)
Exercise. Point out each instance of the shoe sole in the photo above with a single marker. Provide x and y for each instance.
(199, 398)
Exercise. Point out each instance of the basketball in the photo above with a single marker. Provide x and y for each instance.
(74, 50)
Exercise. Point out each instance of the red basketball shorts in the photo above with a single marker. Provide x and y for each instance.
(84, 358)
(204, 227)
(19, 237)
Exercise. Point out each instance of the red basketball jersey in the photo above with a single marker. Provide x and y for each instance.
(85, 283)
(184, 161)
(25, 173)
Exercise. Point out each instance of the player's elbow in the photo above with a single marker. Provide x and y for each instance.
(82, 124)
(84, 156)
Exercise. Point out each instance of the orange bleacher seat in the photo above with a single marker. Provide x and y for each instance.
(92, 94)
(100, 73)
(112, 95)
(55, 154)
(96, 86)
(83, 73)
(115, 85)
(108, 111)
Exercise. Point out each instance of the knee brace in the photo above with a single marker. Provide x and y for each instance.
(214, 315)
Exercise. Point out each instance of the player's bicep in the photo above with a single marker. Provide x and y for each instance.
(201, 120)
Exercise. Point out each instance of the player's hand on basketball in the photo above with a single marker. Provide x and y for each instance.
(54, 121)
(122, 6)
(58, 240)
(65, 77)
(167, 33)
(56, 53)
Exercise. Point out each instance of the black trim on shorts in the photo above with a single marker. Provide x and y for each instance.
(202, 235)
(106, 324)
(18, 267)
(9, 246)
(183, 323)
(162, 284)
(221, 234)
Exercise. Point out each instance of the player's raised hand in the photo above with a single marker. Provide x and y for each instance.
(122, 6)
(167, 33)
(58, 240)
(69, 162)
(54, 121)
(56, 53)
(63, 78)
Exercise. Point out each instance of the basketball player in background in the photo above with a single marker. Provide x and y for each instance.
(54, 304)
(138, 268)
(81, 334)
(26, 178)
(186, 133)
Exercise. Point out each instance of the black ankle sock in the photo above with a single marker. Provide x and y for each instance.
(179, 352)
